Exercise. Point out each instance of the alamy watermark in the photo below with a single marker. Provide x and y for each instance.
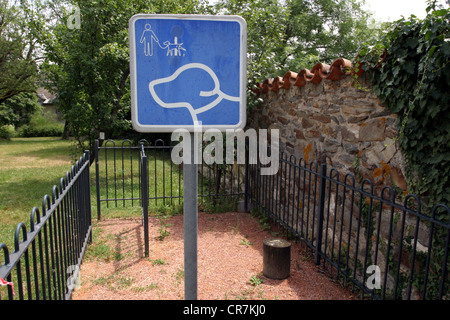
(374, 281)
(74, 19)
(208, 146)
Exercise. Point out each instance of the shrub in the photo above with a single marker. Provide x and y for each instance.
(7, 132)
(42, 125)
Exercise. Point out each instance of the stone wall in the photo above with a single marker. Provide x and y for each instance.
(333, 121)
(329, 120)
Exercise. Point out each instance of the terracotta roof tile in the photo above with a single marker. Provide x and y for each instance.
(290, 78)
(336, 71)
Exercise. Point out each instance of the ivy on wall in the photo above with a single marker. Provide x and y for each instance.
(409, 69)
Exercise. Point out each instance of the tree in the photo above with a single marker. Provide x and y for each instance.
(18, 66)
(292, 34)
(325, 30)
(18, 109)
(89, 65)
(266, 34)
(409, 70)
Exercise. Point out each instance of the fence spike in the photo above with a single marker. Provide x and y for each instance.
(46, 202)
(34, 212)
(5, 250)
(20, 226)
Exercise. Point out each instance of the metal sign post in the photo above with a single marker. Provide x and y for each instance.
(190, 218)
(186, 70)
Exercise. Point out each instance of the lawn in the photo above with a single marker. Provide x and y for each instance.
(29, 168)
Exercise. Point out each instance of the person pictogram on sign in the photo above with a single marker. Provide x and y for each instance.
(147, 38)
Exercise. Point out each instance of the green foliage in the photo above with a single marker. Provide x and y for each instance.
(17, 110)
(413, 81)
(158, 262)
(266, 22)
(18, 66)
(295, 34)
(256, 280)
(246, 242)
(163, 232)
(89, 66)
(217, 204)
(323, 30)
(263, 218)
(410, 72)
(42, 124)
(7, 132)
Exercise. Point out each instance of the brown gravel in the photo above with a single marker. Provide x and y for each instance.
(230, 253)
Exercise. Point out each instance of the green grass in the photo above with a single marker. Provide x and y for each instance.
(29, 168)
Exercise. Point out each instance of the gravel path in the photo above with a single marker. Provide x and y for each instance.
(230, 263)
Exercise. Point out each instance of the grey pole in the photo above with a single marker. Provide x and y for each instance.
(190, 218)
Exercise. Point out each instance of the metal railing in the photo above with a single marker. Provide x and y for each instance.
(46, 259)
(385, 244)
(119, 182)
(360, 234)
(144, 200)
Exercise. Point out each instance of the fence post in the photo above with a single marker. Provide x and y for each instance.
(322, 185)
(144, 198)
(88, 194)
(97, 180)
(246, 191)
(190, 220)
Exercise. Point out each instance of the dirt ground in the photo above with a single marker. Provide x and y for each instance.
(230, 263)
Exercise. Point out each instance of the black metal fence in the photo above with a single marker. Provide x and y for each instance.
(118, 172)
(361, 234)
(386, 245)
(144, 201)
(46, 259)
(365, 235)
(119, 183)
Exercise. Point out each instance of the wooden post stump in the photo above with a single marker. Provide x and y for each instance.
(276, 258)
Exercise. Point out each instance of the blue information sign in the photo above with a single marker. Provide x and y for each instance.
(187, 70)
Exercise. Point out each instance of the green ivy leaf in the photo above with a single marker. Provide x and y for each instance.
(413, 82)
(446, 48)
(410, 66)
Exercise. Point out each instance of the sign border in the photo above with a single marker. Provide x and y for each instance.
(143, 128)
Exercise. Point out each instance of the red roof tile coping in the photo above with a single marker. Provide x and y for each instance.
(336, 71)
